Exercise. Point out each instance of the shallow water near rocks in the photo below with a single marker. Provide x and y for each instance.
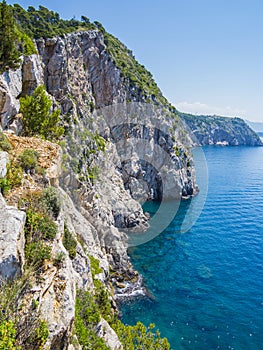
(208, 282)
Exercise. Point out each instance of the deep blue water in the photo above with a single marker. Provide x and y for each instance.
(208, 282)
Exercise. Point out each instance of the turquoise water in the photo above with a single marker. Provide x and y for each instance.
(207, 283)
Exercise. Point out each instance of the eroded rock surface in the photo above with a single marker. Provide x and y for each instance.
(12, 241)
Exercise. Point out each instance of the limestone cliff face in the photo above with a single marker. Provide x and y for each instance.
(144, 154)
(213, 130)
(81, 75)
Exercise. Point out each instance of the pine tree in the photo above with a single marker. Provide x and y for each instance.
(37, 118)
(9, 55)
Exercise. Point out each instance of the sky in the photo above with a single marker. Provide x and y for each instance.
(205, 55)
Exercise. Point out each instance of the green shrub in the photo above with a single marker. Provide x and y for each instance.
(90, 308)
(25, 43)
(10, 293)
(47, 228)
(37, 118)
(14, 174)
(35, 304)
(100, 142)
(101, 298)
(146, 338)
(40, 226)
(7, 335)
(94, 266)
(139, 336)
(12, 179)
(75, 165)
(50, 201)
(94, 173)
(87, 316)
(132, 337)
(59, 259)
(69, 242)
(40, 335)
(5, 145)
(32, 222)
(4, 186)
(36, 253)
(29, 160)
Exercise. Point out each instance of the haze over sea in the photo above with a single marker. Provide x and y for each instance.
(208, 282)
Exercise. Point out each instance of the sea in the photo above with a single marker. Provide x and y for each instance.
(204, 271)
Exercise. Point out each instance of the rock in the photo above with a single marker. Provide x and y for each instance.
(4, 159)
(54, 171)
(111, 339)
(10, 89)
(12, 241)
(204, 272)
(33, 74)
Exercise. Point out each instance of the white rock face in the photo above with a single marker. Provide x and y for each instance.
(12, 240)
(89, 75)
(110, 337)
(33, 74)
(10, 88)
(4, 159)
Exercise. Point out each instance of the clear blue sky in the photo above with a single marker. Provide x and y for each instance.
(206, 55)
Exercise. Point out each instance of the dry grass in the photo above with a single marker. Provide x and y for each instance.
(48, 151)
(48, 155)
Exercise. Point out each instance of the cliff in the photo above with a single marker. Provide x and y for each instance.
(68, 207)
(123, 144)
(215, 130)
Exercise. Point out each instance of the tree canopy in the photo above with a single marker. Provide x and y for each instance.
(44, 23)
(9, 55)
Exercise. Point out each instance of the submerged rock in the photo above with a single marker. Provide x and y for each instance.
(204, 272)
